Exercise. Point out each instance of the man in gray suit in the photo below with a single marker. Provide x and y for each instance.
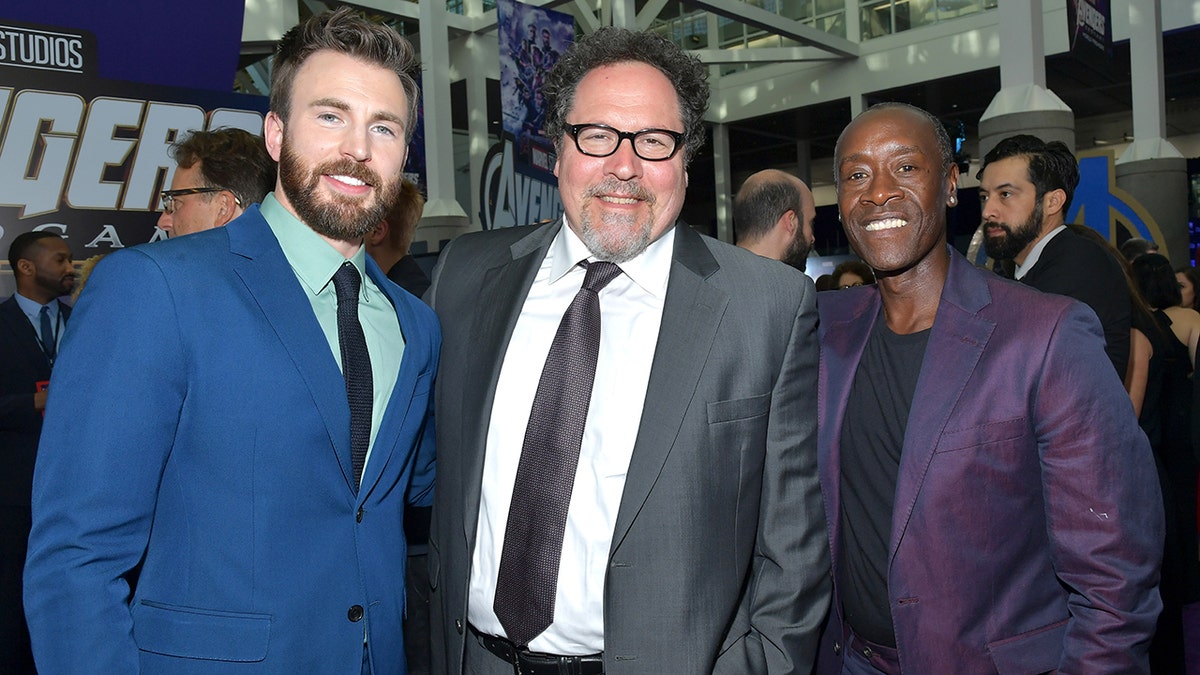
(689, 536)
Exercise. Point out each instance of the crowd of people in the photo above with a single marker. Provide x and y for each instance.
(603, 444)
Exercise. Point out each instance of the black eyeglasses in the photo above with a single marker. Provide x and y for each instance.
(168, 196)
(599, 140)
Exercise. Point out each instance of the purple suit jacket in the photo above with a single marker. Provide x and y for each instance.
(1027, 529)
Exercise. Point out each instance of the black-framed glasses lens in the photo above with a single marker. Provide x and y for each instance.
(598, 140)
(168, 196)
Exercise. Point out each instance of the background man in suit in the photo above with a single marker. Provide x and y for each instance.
(992, 502)
(31, 326)
(389, 242)
(695, 476)
(1025, 188)
(215, 429)
(219, 175)
(773, 214)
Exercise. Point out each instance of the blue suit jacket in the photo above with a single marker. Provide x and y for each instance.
(198, 441)
(1027, 527)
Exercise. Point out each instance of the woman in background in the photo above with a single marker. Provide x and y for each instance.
(1173, 453)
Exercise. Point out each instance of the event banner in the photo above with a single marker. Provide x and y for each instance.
(194, 45)
(1089, 23)
(531, 40)
(87, 157)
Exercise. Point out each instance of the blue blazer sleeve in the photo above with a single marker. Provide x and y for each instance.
(112, 427)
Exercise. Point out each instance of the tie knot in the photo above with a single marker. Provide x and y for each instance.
(45, 310)
(346, 282)
(599, 274)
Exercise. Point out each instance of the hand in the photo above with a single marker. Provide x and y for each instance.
(39, 399)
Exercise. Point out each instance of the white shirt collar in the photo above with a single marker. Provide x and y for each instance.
(1036, 253)
(650, 269)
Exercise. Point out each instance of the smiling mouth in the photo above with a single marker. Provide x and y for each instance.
(885, 224)
(611, 199)
(348, 180)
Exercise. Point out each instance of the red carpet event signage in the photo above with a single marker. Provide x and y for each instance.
(27, 46)
(86, 157)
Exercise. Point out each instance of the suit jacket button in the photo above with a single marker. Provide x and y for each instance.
(355, 614)
(458, 626)
(358, 516)
(837, 648)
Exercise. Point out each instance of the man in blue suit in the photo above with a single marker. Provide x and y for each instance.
(212, 493)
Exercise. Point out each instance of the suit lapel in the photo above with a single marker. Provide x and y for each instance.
(502, 293)
(956, 342)
(846, 324)
(259, 262)
(23, 332)
(692, 311)
(399, 407)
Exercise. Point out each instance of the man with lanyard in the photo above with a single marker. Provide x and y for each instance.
(31, 326)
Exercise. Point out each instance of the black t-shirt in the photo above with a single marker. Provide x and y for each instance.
(872, 438)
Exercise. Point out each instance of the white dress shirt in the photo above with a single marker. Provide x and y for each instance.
(630, 313)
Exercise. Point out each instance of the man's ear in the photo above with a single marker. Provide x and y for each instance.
(26, 267)
(1053, 201)
(273, 134)
(787, 224)
(228, 209)
(377, 234)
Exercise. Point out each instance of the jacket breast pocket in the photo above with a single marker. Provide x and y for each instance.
(195, 633)
(988, 433)
(736, 409)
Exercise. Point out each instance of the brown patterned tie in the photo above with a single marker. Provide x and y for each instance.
(537, 515)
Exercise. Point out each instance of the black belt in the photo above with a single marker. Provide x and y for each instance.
(525, 662)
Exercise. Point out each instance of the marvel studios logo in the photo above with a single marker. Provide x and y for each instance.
(42, 48)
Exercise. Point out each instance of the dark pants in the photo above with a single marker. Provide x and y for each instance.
(416, 624)
(867, 658)
(16, 657)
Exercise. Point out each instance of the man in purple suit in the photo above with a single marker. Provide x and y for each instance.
(993, 506)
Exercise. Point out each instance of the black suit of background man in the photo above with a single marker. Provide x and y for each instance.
(41, 263)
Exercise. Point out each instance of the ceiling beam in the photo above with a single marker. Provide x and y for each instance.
(762, 55)
(760, 18)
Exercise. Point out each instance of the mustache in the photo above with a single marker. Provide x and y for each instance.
(620, 188)
(348, 167)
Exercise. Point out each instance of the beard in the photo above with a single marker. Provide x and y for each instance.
(59, 286)
(618, 237)
(797, 252)
(1014, 240)
(338, 216)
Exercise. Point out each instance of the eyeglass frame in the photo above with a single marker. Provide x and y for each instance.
(168, 196)
(574, 129)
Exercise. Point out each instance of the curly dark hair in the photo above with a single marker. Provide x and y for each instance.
(1052, 165)
(233, 159)
(610, 45)
(345, 32)
(856, 267)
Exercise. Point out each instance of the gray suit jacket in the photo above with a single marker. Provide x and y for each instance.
(719, 559)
